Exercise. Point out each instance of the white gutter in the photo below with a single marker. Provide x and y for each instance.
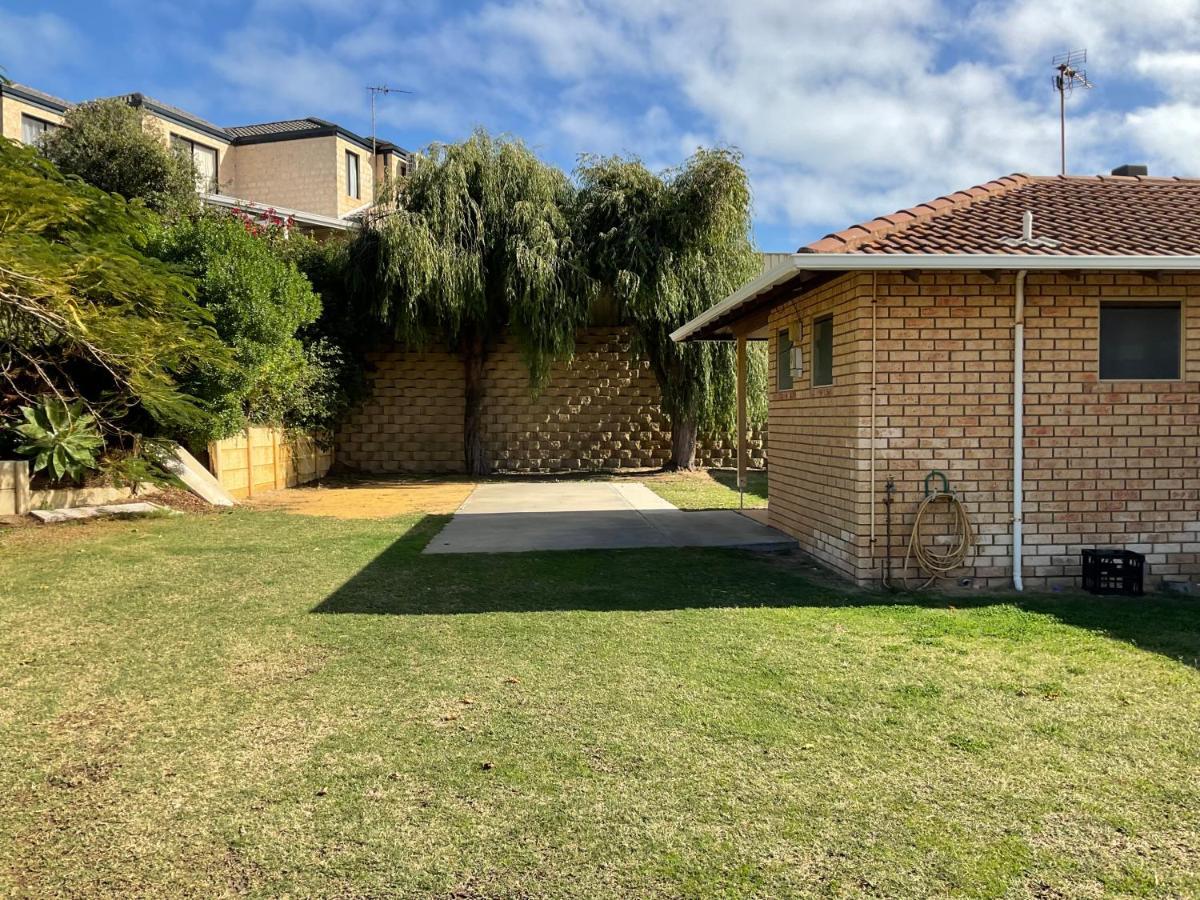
(896, 262)
(304, 218)
(1018, 430)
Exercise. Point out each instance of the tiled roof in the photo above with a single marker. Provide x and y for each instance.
(287, 126)
(1082, 215)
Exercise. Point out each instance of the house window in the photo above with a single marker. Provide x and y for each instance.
(34, 129)
(203, 160)
(352, 174)
(783, 361)
(1140, 341)
(822, 351)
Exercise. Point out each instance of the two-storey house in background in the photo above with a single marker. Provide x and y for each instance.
(312, 171)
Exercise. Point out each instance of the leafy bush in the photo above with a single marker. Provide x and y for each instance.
(260, 303)
(61, 438)
(86, 313)
(111, 145)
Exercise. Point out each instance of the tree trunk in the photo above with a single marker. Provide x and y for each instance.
(474, 354)
(683, 445)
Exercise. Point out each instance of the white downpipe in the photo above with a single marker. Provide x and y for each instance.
(1018, 427)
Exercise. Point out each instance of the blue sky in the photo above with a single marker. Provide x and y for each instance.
(843, 110)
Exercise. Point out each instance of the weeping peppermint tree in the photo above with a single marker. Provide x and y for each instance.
(668, 246)
(475, 244)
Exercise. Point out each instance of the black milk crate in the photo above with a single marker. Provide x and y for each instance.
(1113, 572)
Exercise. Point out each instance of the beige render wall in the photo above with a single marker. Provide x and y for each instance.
(1106, 463)
(226, 173)
(366, 178)
(600, 412)
(299, 174)
(11, 110)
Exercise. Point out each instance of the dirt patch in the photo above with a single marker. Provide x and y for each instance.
(368, 499)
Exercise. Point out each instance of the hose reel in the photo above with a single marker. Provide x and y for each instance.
(939, 560)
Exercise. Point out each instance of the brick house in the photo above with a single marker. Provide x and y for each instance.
(313, 171)
(1060, 309)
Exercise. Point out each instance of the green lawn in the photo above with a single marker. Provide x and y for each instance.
(269, 704)
(710, 489)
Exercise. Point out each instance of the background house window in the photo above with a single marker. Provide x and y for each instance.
(33, 128)
(352, 174)
(822, 351)
(203, 159)
(783, 361)
(1140, 341)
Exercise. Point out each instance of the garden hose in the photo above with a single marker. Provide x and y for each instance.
(939, 563)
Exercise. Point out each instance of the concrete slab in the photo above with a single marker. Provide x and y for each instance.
(195, 477)
(520, 517)
(52, 516)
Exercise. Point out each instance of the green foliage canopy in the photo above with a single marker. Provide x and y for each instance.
(107, 143)
(259, 302)
(669, 246)
(85, 311)
(477, 240)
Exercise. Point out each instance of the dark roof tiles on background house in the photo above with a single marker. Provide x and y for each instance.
(1098, 215)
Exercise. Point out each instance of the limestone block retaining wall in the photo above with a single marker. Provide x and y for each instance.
(601, 411)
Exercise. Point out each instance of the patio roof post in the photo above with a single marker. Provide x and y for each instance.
(741, 419)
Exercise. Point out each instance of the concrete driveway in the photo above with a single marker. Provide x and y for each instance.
(519, 517)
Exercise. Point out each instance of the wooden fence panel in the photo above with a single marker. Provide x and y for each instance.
(263, 459)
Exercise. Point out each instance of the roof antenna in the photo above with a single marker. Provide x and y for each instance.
(1069, 77)
(375, 91)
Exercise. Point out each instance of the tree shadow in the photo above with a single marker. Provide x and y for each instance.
(403, 581)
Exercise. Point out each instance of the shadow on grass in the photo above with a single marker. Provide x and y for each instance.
(403, 581)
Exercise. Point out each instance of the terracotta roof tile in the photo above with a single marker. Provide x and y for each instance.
(1084, 215)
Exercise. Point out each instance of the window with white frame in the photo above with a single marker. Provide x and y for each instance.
(203, 160)
(352, 188)
(1141, 340)
(34, 129)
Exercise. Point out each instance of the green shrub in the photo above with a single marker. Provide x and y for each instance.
(86, 313)
(107, 143)
(260, 304)
(60, 438)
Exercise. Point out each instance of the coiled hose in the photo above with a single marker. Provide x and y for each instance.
(930, 559)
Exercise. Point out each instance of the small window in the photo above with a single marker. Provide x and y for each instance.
(34, 129)
(1140, 341)
(822, 352)
(203, 160)
(352, 174)
(783, 361)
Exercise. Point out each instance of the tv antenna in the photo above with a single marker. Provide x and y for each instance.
(375, 91)
(1070, 75)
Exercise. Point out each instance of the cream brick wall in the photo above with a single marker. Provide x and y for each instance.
(366, 177)
(1107, 463)
(300, 174)
(226, 172)
(600, 412)
(11, 110)
(817, 483)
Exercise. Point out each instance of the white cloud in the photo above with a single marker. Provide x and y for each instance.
(843, 110)
(24, 39)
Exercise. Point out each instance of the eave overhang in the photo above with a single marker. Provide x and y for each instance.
(791, 278)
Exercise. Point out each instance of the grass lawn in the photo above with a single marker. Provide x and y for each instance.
(256, 702)
(710, 489)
